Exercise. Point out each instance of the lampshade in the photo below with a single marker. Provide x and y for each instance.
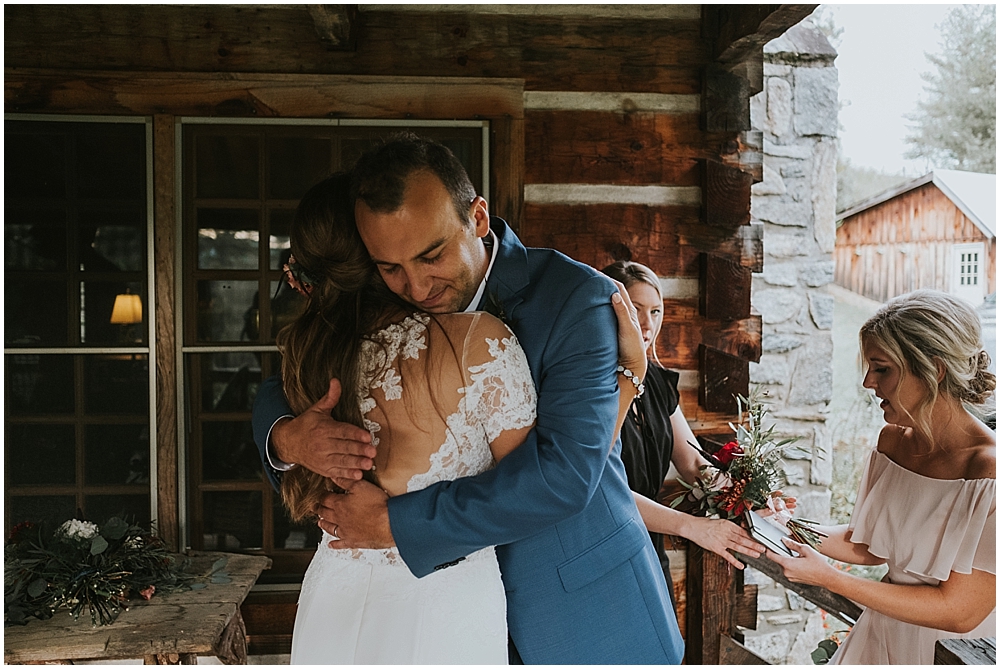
(128, 309)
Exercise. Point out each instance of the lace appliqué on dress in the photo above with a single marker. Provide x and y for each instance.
(500, 396)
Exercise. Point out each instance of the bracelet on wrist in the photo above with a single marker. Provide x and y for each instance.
(640, 388)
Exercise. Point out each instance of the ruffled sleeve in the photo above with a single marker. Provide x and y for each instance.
(924, 526)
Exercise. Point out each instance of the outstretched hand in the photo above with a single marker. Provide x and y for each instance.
(631, 350)
(316, 441)
(721, 536)
(809, 567)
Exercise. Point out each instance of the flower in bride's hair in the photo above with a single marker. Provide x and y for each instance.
(297, 277)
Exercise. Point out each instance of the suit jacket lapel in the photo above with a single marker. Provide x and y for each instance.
(510, 269)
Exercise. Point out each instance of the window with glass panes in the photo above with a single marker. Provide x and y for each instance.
(77, 438)
(241, 184)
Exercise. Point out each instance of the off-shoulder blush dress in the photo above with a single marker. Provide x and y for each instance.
(926, 529)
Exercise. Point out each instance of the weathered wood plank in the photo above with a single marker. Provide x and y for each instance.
(667, 239)
(571, 53)
(727, 195)
(685, 329)
(745, 608)
(834, 604)
(966, 651)
(260, 95)
(164, 245)
(507, 154)
(739, 32)
(724, 288)
(711, 588)
(620, 148)
(178, 624)
(732, 651)
(723, 377)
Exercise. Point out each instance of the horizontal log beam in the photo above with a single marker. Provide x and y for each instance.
(667, 239)
(567, 53)
(635, 148)
(260, 95)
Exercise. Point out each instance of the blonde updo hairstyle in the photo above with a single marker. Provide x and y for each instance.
(916, 330)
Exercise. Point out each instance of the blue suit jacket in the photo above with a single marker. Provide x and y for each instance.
(583, 582)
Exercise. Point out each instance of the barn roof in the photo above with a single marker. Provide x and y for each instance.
(975, 194)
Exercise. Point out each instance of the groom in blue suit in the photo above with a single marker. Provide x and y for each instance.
(582, 580)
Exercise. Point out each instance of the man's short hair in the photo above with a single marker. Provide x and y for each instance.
(380, 175)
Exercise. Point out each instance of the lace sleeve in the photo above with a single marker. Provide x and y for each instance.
(500, 394)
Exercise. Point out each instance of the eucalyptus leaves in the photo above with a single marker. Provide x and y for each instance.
(83, 565)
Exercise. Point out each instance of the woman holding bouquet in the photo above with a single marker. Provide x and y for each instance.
(656, 434)
(927, 501)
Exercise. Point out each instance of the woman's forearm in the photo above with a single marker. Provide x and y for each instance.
(837, 545)
(957, 605)
(626, 395)
(662, 519)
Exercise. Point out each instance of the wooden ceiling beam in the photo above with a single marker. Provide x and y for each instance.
(334, 24)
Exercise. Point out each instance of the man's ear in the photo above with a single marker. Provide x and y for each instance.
(480, 213)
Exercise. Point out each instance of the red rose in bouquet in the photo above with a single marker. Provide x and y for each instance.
(728, 453)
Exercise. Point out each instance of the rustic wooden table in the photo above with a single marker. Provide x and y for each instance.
(168, 629)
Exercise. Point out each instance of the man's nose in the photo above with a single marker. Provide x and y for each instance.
(420, 285)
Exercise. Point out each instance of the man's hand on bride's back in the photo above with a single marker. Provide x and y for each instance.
(316, 441)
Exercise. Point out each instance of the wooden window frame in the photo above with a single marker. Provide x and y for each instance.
(166, 97)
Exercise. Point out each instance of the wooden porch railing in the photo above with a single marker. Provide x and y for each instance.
(717, 603)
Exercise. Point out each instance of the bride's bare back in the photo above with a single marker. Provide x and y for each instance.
(444, 396)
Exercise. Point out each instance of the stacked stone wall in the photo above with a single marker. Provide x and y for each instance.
(797, 114)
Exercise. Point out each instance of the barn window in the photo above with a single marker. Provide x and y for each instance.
(967, 263)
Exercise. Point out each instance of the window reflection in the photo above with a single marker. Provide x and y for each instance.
(41, 454)
(52, 510)
(228, 311)
(229, 381)
(116, 454)
(35, 312)
(39, 384)
(229, 452)
(228, 238)
(232, 520)
(34, 240)
(116, 384)
(134, 508)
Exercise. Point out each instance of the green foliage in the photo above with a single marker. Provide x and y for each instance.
(856, 184)
(744, 472)
(955, 125)
(84, 566)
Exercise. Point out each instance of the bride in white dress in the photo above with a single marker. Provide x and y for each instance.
(443, 396)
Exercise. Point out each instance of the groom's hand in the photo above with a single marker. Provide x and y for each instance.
(359, 517)
(631, 350)
(316, 441)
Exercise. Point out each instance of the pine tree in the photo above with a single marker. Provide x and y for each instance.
(955, 124)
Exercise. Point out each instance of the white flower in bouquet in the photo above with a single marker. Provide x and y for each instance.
(78, 529)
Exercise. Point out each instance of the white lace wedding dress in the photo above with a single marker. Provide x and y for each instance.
(425, 398)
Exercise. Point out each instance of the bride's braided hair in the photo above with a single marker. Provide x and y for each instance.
(925, 326)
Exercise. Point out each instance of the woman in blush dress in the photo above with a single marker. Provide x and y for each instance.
(927, 500)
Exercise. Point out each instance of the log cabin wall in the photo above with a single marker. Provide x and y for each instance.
(617, 132)
(906, 243)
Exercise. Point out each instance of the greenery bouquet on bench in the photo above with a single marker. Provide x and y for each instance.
(82, 565)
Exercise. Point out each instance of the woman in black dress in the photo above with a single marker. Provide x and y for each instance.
(656, 434)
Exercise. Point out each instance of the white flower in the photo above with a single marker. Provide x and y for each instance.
(719, 482)
(78, 529)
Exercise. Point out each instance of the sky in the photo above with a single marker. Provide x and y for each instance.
(882, 53)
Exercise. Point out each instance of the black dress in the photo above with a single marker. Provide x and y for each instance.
(648, 444)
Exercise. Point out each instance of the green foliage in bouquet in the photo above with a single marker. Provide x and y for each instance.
(84, 566)
(744, 472)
